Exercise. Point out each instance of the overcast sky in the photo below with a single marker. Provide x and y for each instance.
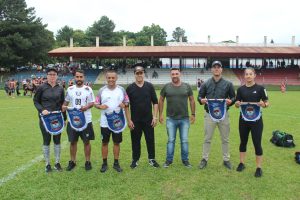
(221, 19)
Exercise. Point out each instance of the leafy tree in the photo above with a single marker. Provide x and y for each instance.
(80, 38)
(179, 32)
(143, 38)
(104, 28)
(63, 36)
(23, 37)
(130, 38)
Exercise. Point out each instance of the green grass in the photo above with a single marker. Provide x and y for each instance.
(21, 140)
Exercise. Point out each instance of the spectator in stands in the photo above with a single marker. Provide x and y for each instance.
(216, 88)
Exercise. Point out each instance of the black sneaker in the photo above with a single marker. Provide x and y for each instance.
(134, 164)
(103, 168)
(241, 167)
(186, 163)
(202, 164)
(71, 165)
(117, 167)
(58, 167)
(227, 164)
(88, 165)
(48, 168)
(153, 163)
(167, 163)
(258, 172)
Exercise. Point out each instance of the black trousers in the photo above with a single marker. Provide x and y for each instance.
(136, 135)
(256, 129)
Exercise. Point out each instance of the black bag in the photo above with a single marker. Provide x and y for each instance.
(282, 139)
(297, 157)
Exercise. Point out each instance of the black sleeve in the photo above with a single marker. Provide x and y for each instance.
(231, 93)
(153, 94)
(202, 93)
(37, 99)
(62, 99)
(264, 95)
(238, 94)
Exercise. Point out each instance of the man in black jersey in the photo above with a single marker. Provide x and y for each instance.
(141, 97)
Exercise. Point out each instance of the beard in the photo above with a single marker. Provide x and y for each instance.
(80, 83)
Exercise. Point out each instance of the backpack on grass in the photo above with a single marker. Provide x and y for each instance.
(297, 157)
(282, 139)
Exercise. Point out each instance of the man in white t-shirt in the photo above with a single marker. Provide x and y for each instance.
(80, 97)
(111, 98)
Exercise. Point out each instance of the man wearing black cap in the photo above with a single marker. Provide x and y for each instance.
(50, 97)
(216, 88)
(141, 97)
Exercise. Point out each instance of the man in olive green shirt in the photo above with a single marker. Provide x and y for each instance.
(177, 94)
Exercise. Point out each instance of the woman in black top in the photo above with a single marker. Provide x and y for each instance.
(253, 93)
(50, 97)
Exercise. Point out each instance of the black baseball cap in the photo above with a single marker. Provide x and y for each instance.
(216, 63)
(51, 69)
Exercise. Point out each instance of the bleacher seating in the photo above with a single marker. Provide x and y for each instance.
(187, 75)
(273, 76)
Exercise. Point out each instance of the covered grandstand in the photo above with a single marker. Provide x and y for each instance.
(274, 63)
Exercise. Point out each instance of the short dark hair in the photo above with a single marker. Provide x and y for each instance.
(175, 68)
(80, 71)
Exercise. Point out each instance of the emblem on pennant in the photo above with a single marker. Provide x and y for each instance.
(250, 111)
(217, 109)
(53, 123)
(77, 119)
(116, 121)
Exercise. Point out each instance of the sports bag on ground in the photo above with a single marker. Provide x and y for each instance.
(282, 139)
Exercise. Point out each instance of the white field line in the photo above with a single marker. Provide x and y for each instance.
(29, 164)
(25, 167)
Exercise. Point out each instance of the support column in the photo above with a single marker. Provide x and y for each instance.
(152, 40)
(97, 41)
(124, 40)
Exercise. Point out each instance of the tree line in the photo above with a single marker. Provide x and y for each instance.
(24, 39)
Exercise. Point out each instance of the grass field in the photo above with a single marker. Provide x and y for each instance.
(21, 177)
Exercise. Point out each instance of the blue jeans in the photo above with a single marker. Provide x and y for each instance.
(183, 125)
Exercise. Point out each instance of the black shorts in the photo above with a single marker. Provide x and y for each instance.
(85, 135)
(105, 134)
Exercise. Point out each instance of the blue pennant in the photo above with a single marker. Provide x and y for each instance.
(250, 112)
(77, 119)
(217, 109)
(54, 122)
(116, 121)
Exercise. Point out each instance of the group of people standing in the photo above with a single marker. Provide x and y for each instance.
(143, 110)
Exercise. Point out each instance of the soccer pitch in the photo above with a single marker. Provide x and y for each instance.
(22, 173)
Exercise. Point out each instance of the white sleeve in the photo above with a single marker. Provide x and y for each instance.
(68, 97)
(91, 97)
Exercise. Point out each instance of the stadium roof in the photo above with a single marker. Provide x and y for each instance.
(177, 51)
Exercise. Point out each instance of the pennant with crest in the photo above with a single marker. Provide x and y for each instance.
(116, 120)
(77, 119)
(217, 109)
(250, 111)
(53, 122)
